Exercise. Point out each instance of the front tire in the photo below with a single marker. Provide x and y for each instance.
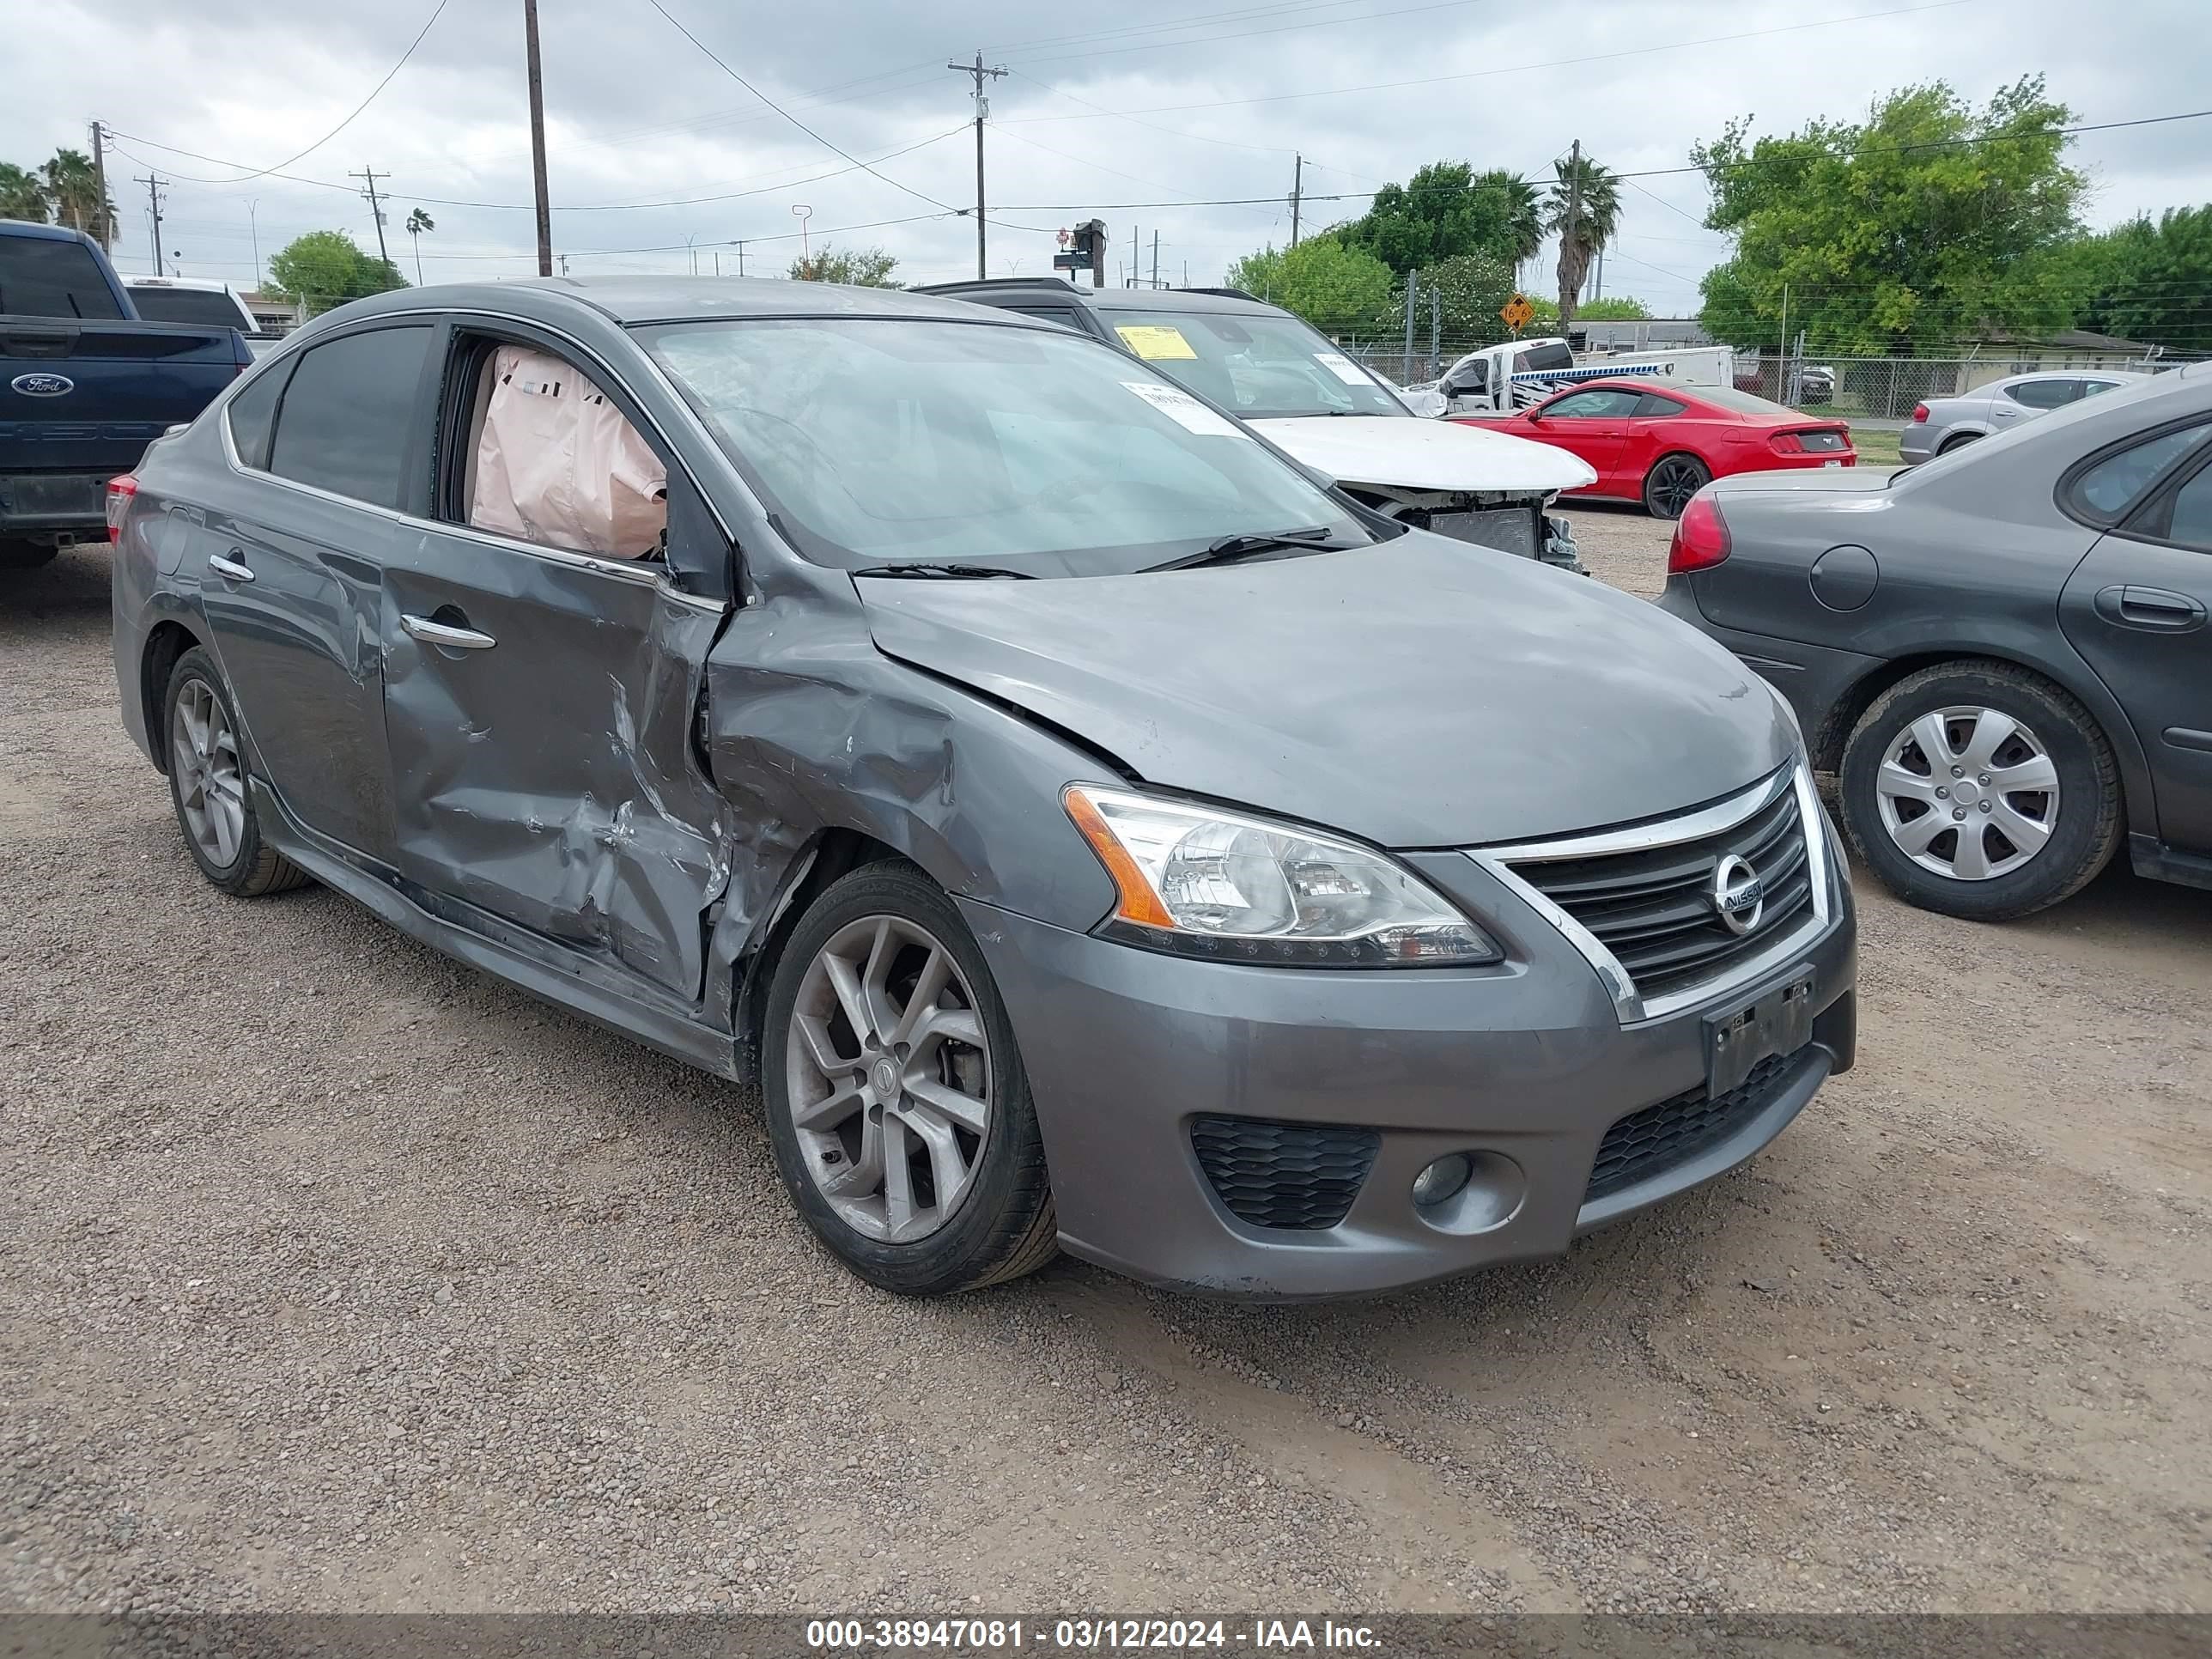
(897, 1105)
(207, 785)
(1980, 790)
(1671, 482)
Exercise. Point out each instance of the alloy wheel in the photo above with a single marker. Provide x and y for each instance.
(210, 782)
(890, 1079)
(1968, 793)
(1673, 481)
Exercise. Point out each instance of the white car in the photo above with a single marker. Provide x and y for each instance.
(1295, 388)
(199, 300)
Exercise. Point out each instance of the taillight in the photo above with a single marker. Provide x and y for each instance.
(1786, 443)
(1701, 538)
(120, 492)
(1920, 411)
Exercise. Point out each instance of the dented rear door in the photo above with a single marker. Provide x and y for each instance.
(539, 710)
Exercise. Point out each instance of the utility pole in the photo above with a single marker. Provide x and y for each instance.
(1436, 330)
(1781, 360)
(1136, 259)
(1412, 289)
(741, 258)
(1597, 283)
(1156, 258)
(1567, 296)
(375, 210)
(982, 109)
(1297, 191)
(538, 140)
(99, 187)
(253, 229)
(153, 200)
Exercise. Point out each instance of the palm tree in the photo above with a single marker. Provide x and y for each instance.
(21, 195)
(1585, 207)
(1522, 212)
(417, 222)
(73, 189)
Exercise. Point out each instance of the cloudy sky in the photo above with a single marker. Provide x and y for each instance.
(1128, 113)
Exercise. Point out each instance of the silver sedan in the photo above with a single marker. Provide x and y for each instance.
(1942, 423)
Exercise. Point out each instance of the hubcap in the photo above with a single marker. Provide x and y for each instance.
(1673, 486)
(890, 1079)
(204, 770)
(1968, 793)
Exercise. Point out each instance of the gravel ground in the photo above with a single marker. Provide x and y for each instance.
(343, 1278)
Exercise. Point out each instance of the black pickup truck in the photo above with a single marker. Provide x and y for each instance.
(85, 386)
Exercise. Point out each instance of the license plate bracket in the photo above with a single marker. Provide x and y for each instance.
(1777, 1022)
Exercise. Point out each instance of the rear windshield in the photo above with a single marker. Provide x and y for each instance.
(202, 305)
(1265, 365)
(892, 440)
(1749, 403)
(41, 276)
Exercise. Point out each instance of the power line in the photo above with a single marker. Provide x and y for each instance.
(341, 125)
(864, 167)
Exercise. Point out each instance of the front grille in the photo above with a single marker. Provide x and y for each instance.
(1653, 1140)
(1298, 1175)
(1653, 907)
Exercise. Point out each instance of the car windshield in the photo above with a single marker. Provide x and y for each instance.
(901, 439)
(1265, 365)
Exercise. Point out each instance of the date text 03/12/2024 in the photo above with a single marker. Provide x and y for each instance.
(1087, 1635)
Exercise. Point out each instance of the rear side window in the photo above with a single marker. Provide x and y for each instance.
(2044, 394)
(252, 417)
(2189, 515)
(41, 276)
(206, 307)
(349, 415)
(2105, 493)
(1652, 404)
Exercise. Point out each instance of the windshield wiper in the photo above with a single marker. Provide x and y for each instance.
(1314, 538)
(966, 572)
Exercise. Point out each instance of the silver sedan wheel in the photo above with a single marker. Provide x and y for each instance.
(210, 784)
(890, 1079)
(1968, 793)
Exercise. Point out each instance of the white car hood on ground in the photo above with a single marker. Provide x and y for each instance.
(1417, 454)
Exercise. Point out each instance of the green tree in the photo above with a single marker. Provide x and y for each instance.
(1585, 207)
(1474, 288)
(1446, 210)
(2153, 282)
(1339, 289)
(21, 195)
(417, 222)
(867, 267)
(1613, 308)
(73, 192)
(324, 268)
(1930, 223)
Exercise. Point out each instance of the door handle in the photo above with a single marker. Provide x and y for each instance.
(445, 633)
(229, 568)
(2155, 608)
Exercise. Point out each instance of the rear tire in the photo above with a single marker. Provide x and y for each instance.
(1958, 441)
(1895, 792)
(210, 788)
(874, 1119)
(1671, 482)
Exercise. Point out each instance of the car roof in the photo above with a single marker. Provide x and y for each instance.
(43, 233)
(198, 284)
(998, 291)
(634, 299)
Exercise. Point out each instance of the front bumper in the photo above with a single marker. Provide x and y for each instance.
(1525, 1067)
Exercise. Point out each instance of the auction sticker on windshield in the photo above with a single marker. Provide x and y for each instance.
(1185, 410)
(1343, 368)
(1153, 341)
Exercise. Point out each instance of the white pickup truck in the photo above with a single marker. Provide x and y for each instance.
(1500, 380)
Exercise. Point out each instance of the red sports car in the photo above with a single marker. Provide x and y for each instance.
(1660, 447)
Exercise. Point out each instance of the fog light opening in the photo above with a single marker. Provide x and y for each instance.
(1441, 1180)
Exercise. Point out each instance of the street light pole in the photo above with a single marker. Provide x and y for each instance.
(538, 140)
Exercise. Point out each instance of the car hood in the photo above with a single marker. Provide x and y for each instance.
(1420, 693)
(1417, 454)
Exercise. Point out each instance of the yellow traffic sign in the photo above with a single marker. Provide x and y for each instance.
(1517, 311)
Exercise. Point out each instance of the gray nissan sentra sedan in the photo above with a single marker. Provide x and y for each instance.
(1092, 831)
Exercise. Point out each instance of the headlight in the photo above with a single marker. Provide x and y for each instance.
(1216, 885)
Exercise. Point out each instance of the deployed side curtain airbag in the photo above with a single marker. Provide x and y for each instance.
(557, 464)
